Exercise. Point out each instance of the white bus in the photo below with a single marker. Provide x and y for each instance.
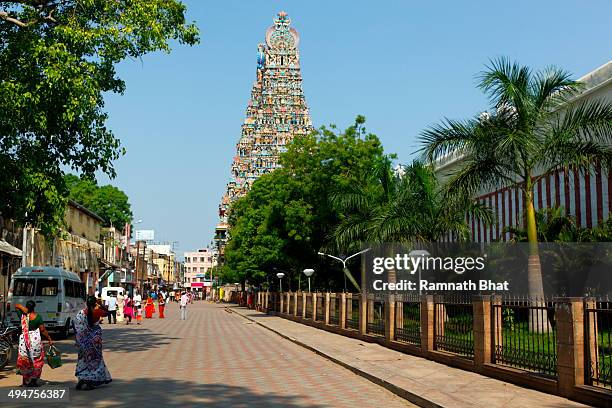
(59, 296)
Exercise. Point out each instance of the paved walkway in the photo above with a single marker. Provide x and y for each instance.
(214, 359)
(424, 381)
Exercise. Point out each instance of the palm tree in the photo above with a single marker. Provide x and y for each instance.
(536, 126)
(404, 206)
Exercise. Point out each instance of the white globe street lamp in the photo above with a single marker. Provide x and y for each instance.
(280, 276)
(308, 273)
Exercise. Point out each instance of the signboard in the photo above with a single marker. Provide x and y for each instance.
(144, 235)
(197, 284)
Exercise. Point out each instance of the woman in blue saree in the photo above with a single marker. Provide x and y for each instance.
(90, 369)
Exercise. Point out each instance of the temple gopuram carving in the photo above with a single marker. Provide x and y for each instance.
(276, 112)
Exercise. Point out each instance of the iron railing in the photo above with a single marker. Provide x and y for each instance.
(408, 320)
(598, 343)
(320, 316)
(375, 323)
(334, 309)
(524, 334)
(352, 312)
(454, 325)
(308, 306)
(300, 303)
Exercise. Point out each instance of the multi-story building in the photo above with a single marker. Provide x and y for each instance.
(587, 196)
(276, 113)
(197, 268)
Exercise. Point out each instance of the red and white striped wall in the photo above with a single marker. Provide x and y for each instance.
(585, 196)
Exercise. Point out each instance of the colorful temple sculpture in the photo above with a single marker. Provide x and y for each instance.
(276, 113)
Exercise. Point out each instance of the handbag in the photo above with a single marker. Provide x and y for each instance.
(54, 357)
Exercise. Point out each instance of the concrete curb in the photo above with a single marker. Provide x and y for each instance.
(400, 392)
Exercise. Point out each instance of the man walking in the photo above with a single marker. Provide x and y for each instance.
(183, 305)
(111, 304)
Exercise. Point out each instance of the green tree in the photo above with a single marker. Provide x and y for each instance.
(107, 201)
(535, 127)
(57, 60)
(287, 216)
(407, 205)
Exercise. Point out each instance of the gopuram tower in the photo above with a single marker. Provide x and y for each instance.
(276, 112)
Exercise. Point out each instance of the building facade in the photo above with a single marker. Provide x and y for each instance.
(586, 196)
(197, 268)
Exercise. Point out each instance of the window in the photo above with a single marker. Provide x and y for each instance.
(24, 287)
(69, 289)
(46, 287)
(202, 270)
(202, 259)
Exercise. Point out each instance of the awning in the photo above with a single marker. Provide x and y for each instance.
(9, 249)
(108, 264)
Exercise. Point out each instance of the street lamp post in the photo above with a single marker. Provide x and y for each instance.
(415, 254)
(280, 276)
(344, 261)
(308, 273)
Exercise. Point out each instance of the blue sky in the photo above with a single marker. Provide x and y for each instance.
(403, 64)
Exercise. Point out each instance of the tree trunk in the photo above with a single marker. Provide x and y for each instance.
(538, 318)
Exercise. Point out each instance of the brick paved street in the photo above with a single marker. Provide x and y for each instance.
(215, 358)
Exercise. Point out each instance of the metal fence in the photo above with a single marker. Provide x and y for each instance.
(408, 320)
(308, 306)
(352, 311)
(375, 317)
(334, 309)
(320, 316)
(598, 343)
(454, 325)
(524, 334)
(300, 303)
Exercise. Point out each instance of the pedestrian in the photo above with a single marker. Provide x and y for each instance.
(90, 370)
(128, 310)
(162, 305)
(31, 357)
(183, 305)
(138, 307)
(111, 307)
(149, 308)
(120, 305)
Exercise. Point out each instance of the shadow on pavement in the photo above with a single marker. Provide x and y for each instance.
(132, 338)
(173, 393)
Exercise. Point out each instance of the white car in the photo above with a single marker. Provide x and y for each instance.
(59, 295)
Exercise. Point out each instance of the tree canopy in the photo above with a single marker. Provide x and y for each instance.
(536, 126)
(57, 60)
(287, 216)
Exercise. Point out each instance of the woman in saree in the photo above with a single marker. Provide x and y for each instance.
(31, 357)
(161, 302)
(90, 369)
(149, 307)
(128, 310)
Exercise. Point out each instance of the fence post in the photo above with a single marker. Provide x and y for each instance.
(390, 318)
(363, 313)
(327, 307)
(481, 305)
(427, 323)
(569, 316)
(304, 301)
(590, 338)
(314, 306)
(342, 310)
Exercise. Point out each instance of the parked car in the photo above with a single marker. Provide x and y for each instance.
(59, 295)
